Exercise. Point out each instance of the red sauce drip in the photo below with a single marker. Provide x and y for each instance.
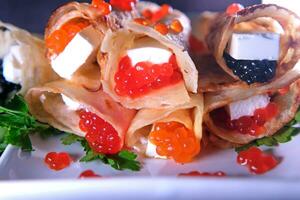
(124, 5)
(251, 125)
(101, 136)
(174, 140)
(89, 174)
(196, 173)
(58, 161)
(234, 8)
(59, 39)
(256, 160)
(144, 77)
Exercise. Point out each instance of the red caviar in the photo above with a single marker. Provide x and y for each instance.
(176, 26)
(256, 160)
(103, 7)
(58, 40)
(197, 173)
(234, 8)
(89, 174)
(101, 136)
(161, 13)
(147, 13)
(252, 125)
(162, 28)
(58, 161)
(142, 21)
(174, 140)
(144, 77)
(124, 5)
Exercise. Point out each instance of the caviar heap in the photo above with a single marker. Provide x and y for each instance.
(256, 160)
(101, 136)
(58, 40)
(58, 161)
(144, 77)
(174, 140)
(251, 125)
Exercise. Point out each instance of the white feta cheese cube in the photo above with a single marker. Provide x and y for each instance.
(254, 46)
(247, 107)
(79, 50)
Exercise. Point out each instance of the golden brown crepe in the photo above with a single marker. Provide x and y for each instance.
(189, 114)
(46, 104)
(262, 17)
(116, 43)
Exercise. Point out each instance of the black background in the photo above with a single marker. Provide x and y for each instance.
(33, 14)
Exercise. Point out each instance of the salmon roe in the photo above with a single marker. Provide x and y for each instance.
(174, 140)
(103, 7)
(251, 125)
(58, 40)
(144, 77)
(160, 14)
(58, 161)
(256, 160)
(234, 8)
(124, 5)
(197, 173)
(100, 135)
(89, 174)
(147, 13)
(162, 28)
(196, 46)
(142, 21)
(176, 26)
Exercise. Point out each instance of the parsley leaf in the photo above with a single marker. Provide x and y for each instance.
(284, 135)
(120, 161)
(16, 124)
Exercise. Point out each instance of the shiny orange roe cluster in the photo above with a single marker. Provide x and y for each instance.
(251, 125)
(58, 40)
(103, 7)
(124, 5)
(174, 140)
(58, 161)
(101, 136)
(144, 77)
(234, 8)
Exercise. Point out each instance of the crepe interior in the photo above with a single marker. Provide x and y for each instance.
(288, 105)
(24, 54)
(262, 17)
(115, 45)
(189, 114)
(46, 104)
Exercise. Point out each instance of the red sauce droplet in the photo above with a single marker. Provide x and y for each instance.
(124, 5)
(175, 141)
(256, 160)
(196, 174)
(176, 26)
(58, 40)
(89, 174)
(58, 161)
(103, 7)
(251, 125)
(101, 136)
(161, 13)
(144, 77)
(234, 8)
(162, 28)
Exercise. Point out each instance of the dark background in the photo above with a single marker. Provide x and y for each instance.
(33, 14)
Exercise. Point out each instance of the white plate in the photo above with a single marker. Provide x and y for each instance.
(284, 180)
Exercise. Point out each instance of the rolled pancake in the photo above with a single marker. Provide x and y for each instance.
(258, 18)
(46, 104)
(287, 103)
(24, 60)
(116, 43)
(189, 114)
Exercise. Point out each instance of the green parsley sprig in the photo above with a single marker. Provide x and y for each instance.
(121, 161)
(284, 135)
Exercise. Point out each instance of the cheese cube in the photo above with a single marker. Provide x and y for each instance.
(79, 51)
(247, 107)
(254, 46)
